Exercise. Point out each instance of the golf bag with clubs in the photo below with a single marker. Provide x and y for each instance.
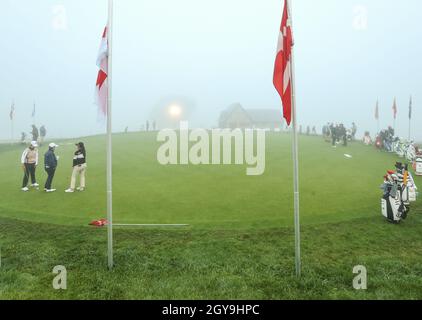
(417, 165)
(399, 191)
(411, 152)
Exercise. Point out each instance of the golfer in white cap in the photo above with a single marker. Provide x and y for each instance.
(29, 162)
(50, 165)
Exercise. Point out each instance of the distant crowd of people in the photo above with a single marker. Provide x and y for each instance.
(36, 134)
(385, 139)
(308, 130)
(338, 133)
(148, 126)
(29, 161)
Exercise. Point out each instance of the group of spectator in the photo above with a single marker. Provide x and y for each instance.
(308, 130)
(385, 139)
(337, 133)
(37, 135)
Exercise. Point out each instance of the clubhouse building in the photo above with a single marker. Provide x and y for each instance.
(235, 116)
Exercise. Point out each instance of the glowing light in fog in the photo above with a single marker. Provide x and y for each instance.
(175, 111)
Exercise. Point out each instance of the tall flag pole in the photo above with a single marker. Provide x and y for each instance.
(395, 113)
(410, 116)
(12, 120)
(33, 114)
(104, 100)
(285, 85)
(377, 116)
(109, 139)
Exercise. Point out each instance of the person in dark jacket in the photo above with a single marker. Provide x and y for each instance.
(43, 133)
(50, 165)
(342, 134)
(79, 168)
(35, 133)
(333, 132)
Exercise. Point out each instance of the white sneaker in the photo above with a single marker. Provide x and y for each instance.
(35, 185)
(80, 189)
(69, 190)
(25, 189)
(50, 190)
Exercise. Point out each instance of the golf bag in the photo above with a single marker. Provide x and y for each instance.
(411, 152)
(399, 191)
(401, 149)
(378, 142)
(396, 144)
(367, 140)
(418, 164)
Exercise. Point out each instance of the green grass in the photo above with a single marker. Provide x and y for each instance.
(240, 240)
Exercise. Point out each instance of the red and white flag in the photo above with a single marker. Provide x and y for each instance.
(102, 85)
(282, 70)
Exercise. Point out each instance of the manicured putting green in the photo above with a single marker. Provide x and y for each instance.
(333, 187)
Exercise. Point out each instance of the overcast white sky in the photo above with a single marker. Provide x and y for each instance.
(215, 52)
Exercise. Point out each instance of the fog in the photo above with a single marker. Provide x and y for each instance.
(213, 53)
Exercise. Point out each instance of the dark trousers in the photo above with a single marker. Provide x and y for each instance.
(50, 172)
(334, 138)
(29, 171)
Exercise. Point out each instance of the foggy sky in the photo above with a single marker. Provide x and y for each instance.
(348, 54)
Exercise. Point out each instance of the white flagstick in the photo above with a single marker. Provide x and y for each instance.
(295, 159)
(109, 139)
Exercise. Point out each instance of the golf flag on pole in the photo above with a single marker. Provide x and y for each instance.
(282, 71)
(284, 83)
(104, 87)
(12, 111)
(102, 83)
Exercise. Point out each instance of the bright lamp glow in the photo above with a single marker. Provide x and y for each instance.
(175, 111)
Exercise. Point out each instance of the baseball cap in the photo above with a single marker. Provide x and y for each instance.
(34, 144)
(53, 145)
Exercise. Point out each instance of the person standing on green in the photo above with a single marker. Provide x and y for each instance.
(50, 165)
(29, 162)
(79, 168)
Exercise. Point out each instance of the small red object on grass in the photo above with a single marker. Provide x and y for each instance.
(99, 223)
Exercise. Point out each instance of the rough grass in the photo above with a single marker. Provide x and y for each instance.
(203, 264)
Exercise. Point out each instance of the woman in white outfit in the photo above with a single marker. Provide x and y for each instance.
(29, 162)
(79, 168)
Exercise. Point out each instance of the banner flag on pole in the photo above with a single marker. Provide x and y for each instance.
(284, 83)
(395, 109)
(12, 111)
(410, 108)
(377, 112)
(282, 70)
(102, 83)
(33, 112)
